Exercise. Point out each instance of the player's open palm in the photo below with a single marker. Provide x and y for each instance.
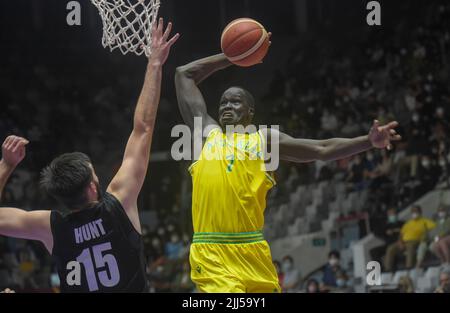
(161, 43)
(13, 150)
(382, 136)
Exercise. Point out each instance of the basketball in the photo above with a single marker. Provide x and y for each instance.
(245, 42)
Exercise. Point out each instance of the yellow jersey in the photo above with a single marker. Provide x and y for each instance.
(230, 184)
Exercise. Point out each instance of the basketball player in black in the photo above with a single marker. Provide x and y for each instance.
(98, 246)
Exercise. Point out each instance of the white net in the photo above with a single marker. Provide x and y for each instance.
(127, 24)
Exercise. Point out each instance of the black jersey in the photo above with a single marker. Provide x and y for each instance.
(102, 245)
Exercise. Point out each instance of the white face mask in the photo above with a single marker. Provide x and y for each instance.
(414, 216)
(333, 262)
(286, 266)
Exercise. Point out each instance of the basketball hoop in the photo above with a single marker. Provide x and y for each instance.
(127, 24)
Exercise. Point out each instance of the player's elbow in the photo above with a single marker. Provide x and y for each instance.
(182, 72)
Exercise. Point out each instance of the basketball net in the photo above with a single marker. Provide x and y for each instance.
(127, 24)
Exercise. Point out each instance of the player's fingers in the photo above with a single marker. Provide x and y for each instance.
(154, 27)
(173, 40)
(16, 144)
(392, 131)
(167, 32)
(396, 138)
(160, 26)
(392, 125)
(389, 147)
(7, 141)
(12, 143)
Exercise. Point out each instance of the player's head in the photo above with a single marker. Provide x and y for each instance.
(71, 179)
(237, 107)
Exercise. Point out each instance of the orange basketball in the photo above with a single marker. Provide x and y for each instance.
(245, 42)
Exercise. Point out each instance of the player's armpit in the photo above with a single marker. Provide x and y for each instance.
(32, 225)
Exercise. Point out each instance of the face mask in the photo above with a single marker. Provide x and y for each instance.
(340, 283)
(286, 266)
(392, 218)
(442, 215)
(333, 262)
(414, 216)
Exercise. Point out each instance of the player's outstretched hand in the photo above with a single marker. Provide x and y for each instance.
(382, 136)
(161, 43)
(13, 150)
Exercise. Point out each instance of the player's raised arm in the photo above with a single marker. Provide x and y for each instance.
(33, 225)
(128, 182)
(306, 150)
(190, 99)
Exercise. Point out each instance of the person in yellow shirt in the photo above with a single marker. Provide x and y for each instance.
(411, 235)
(230, 181)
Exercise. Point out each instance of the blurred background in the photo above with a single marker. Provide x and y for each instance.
(328, 74)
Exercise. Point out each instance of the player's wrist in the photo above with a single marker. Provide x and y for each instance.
(7, 166)
(154, 63)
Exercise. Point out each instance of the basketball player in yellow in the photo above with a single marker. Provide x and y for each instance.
(229, 253)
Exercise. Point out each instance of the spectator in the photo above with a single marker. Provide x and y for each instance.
(332, 272)
(444, 282)
(174, 248)
(291, 279)
(411, 234)
(389, 232)
(405, 285)
(182, 281)
(441, 244)
(312, 286)
(329, 123)
(279, 273)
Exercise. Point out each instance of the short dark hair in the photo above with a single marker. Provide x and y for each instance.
(248, 96)
(288, 258)
(334, 253)
(66, 179)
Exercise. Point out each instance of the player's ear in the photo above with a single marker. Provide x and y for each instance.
(251, 112)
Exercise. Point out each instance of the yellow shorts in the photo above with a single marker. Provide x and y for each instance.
(232, 263)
